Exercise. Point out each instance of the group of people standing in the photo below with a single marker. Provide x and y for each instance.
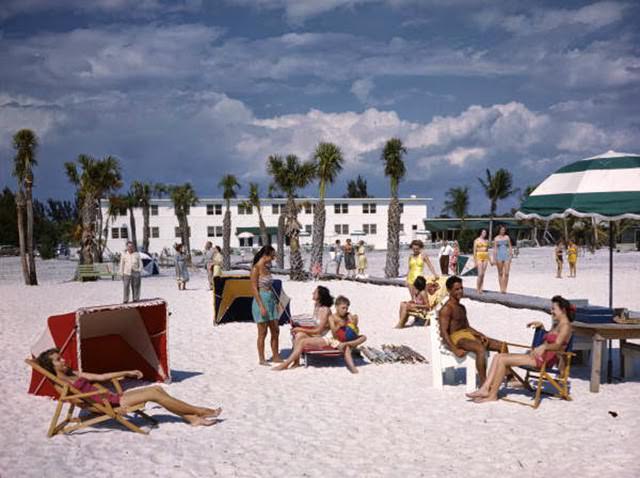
(572, 257)
(355, 258)
(500, 257)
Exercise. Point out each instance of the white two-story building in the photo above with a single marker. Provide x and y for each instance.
(358, 219)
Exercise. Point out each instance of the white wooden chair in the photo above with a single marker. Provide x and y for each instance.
(444, 362)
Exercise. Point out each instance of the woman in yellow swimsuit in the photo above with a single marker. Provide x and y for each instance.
(417, 261)
(481, 257)
(572, 257)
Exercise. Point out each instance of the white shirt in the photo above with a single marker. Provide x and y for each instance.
(445, 250)
(130, 262)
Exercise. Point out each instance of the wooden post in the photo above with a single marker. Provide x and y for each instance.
(596, 363)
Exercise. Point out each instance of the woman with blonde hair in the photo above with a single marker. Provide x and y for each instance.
(417, 261)
(362, 259)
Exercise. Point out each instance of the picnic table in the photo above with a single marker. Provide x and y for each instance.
(599, 333)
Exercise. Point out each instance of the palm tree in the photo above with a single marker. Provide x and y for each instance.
(183, 198)
(229, 184)
(395, 169)
(288, 176)
(497, 186)
(25, 143)
(96, 179)
(457, 202)
(357, 188)
(328, 163)
(142, 194)
(254, 202)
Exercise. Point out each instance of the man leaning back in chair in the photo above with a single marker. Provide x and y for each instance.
(459, 336)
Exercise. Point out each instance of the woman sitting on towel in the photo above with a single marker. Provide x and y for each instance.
(555, 340)
(52, 361)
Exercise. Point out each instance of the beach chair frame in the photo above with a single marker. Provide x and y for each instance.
(558, 378)
(74, 398)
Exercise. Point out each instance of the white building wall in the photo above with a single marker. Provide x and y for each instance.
(412, 218)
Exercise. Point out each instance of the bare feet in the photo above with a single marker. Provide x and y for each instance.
(211, 412)
(478, 393)
(277, 359)
(488, 398)
(398, 326)
(280, 367)
(197, 421)
(264, 363)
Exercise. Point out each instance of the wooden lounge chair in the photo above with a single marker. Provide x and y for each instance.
(101, 412)
(535, 378)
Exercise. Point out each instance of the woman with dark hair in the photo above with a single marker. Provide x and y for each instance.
(481, 257)
(419, 304)
(322, 301)
(52, 361)
(217, 261)
(558, 253)
(555, 340)
(182, 271)
(502, 255)
(265, 306)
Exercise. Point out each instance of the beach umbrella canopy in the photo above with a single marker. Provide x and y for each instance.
(606, 187)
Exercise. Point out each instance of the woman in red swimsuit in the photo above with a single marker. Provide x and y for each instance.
(555, 340)
(52, 361)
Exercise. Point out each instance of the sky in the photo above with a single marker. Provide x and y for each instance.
(190, 90)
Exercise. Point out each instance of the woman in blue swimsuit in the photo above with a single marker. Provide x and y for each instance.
(502, 254)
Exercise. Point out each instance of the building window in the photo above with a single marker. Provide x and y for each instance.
(401, 227)
(154, 209)
(218, 231)
(342, 229)
(210, 209)
(115, 233)
(307, 228)
(124, 233)
(177, 229)
(414, 227)
(214, 209)
(341, 208)
(277, 209)
(370, 229)
(368, 208)
(214, 231)
(244, 209)
(155, 232)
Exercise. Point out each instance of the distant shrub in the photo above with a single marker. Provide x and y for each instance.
(465, 240)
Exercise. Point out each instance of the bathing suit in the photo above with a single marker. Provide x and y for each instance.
(502, 254)
(559, 255)
(416, 268)
(268, 297)
(482, 251)
(549, 358)
(85, 386)
(572, 254)
(458, 335)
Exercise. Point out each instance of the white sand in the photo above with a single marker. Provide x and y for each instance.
(319, 421)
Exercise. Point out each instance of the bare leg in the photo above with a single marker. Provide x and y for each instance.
(262, 335)
(483, 391)
(403, 315)
(506, 272)
(349, 360)
(479, 350)
(558, 269)
(158, 395)
(504, 362)
(274, 328)
(297, 338)
(297, 351)
(482, 269)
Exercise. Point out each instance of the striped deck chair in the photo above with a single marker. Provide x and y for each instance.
(308, 322)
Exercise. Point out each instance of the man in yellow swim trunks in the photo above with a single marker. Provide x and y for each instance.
(459, 336)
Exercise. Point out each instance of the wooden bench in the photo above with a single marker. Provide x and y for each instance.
(95, 271)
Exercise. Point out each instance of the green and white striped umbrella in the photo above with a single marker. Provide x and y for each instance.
(605, 187)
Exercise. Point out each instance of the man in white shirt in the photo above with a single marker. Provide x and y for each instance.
(130, 268)
(445, 251)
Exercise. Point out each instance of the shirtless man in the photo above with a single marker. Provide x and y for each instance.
(459, 336)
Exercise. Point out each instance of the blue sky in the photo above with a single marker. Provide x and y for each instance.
(190, 90)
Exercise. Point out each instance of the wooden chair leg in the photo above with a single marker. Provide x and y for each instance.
(54, 420)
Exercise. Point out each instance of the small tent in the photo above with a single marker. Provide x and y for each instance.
(149, 265)
(108, 338)
(232, 297)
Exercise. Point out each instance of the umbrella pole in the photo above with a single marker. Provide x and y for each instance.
(609, 359)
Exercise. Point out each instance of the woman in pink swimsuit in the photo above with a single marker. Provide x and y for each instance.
(52, 361)
(555, 340)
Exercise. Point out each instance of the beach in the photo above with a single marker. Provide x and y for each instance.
(322, 421)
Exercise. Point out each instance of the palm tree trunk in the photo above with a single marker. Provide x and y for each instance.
(492, 213)
(264, 236)
(33, 278)
(392, 265)
(293, 231)
(132, 226)
(186, 238)
(20, 209)
(281, 222)
(317, 245)
(226, 239)
(146, 231)
(88, 239)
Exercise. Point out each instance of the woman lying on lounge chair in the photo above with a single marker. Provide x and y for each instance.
(555, 340)
(322, 301)
(52, 361)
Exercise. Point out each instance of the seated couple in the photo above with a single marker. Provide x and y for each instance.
(52, 361)
(425, 296)
(338, 330)
(461, 338)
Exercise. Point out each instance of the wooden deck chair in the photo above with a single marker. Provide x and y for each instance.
(535, 378)
(102, 412)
